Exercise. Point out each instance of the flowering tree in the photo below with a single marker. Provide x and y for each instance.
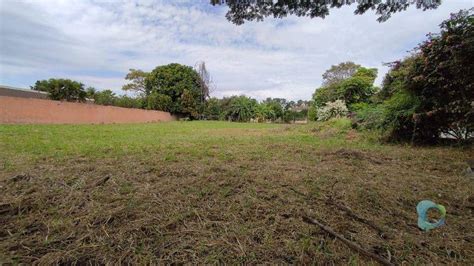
(433, 91)
(336, 109)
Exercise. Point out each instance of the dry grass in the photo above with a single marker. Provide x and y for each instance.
(234, 193)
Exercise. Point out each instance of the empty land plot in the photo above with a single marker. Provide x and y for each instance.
(207, 192)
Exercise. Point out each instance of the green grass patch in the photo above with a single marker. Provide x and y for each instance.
(218, 192)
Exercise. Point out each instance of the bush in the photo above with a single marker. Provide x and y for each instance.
(336, 109)
(368, 116)
(292, 116)
(105, 97)
(212, 110)
(312, 112)
(342, 125)
(333, 128)
(398, 116)
(433, 90)
(62, 89)
(129, 102)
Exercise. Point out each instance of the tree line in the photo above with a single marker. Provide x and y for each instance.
(424, 97)
(181, 90)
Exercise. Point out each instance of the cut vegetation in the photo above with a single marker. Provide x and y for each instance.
(207, 192)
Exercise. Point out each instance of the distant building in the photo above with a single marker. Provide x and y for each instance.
(22, 93)
(299, 108)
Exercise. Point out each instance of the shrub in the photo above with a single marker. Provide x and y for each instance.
(336, 127)
(62, 89)
(292, 116)
(433, 90)
(336, 109)
(212, 110)
(368, 116)
(105, 97)
(129, 102)
(398, 116)
(312, 112)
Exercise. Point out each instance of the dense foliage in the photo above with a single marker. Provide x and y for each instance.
(137, 79)
(179, 89)
(368, 115)
(298, 113)
(340, 72)
(427, 96)
(105, 97)
(431, 94)
(336, 109)
(213, 109)
(347, 82)
(62, 89)
(245, 109)
(246, 10)
(108, 97)
(158, 101)
(242, 109)
(179, 83)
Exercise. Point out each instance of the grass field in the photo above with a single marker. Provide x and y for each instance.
(206, 192)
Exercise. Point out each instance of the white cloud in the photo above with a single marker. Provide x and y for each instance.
(96, 42)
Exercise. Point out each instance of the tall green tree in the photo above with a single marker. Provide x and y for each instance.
(181, 84)
(358, 87)
(339, 72)
(396, 78)
(137, 81)
(62, 89)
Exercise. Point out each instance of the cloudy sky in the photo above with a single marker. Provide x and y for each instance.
(96, 42)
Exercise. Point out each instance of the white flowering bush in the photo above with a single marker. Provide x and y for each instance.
(336, 109)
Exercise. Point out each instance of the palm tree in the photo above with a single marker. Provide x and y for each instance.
(242, 109)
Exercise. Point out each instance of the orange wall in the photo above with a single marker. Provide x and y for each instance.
(15, 110)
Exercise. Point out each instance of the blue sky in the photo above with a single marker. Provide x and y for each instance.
(96, 42)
